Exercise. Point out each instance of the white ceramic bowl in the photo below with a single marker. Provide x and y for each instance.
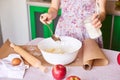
(60, 52)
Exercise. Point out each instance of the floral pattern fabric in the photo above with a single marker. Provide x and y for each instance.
(71, 22)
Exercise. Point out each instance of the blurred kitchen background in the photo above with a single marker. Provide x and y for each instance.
(20, 22)
(1, 41)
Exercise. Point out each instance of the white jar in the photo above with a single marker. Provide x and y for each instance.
(92, 31)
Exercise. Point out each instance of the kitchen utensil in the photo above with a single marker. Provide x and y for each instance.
(28, 57)
(54, 37)
(62, 52)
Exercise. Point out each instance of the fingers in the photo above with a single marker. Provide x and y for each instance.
(45, 18)
(94, 16)
(96, 21)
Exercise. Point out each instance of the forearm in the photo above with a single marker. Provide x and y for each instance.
(102, 5)
(102, 16)
(53, 12)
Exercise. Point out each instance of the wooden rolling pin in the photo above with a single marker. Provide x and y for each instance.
(28, 57)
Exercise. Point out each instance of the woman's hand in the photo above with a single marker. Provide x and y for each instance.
(52, 12)
(46, 18)
(96, 21)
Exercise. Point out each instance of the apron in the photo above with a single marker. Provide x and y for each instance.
(74, 12)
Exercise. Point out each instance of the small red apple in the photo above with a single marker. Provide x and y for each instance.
(118, 58)
(59, 71)
(72, 77)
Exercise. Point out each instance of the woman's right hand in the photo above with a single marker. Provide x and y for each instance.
(46, 18)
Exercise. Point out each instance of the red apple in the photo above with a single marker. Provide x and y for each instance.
(118, 58)
(72, 77)
(59, 72)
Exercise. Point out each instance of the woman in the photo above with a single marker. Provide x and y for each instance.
(74, 13)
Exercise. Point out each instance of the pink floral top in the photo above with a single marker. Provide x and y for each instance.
(73, 14)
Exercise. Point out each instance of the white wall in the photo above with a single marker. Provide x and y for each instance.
(14, 21)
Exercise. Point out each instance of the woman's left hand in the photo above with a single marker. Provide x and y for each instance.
(96, 21)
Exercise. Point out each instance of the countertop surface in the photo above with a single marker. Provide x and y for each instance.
(108, 72)
(110, 6)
